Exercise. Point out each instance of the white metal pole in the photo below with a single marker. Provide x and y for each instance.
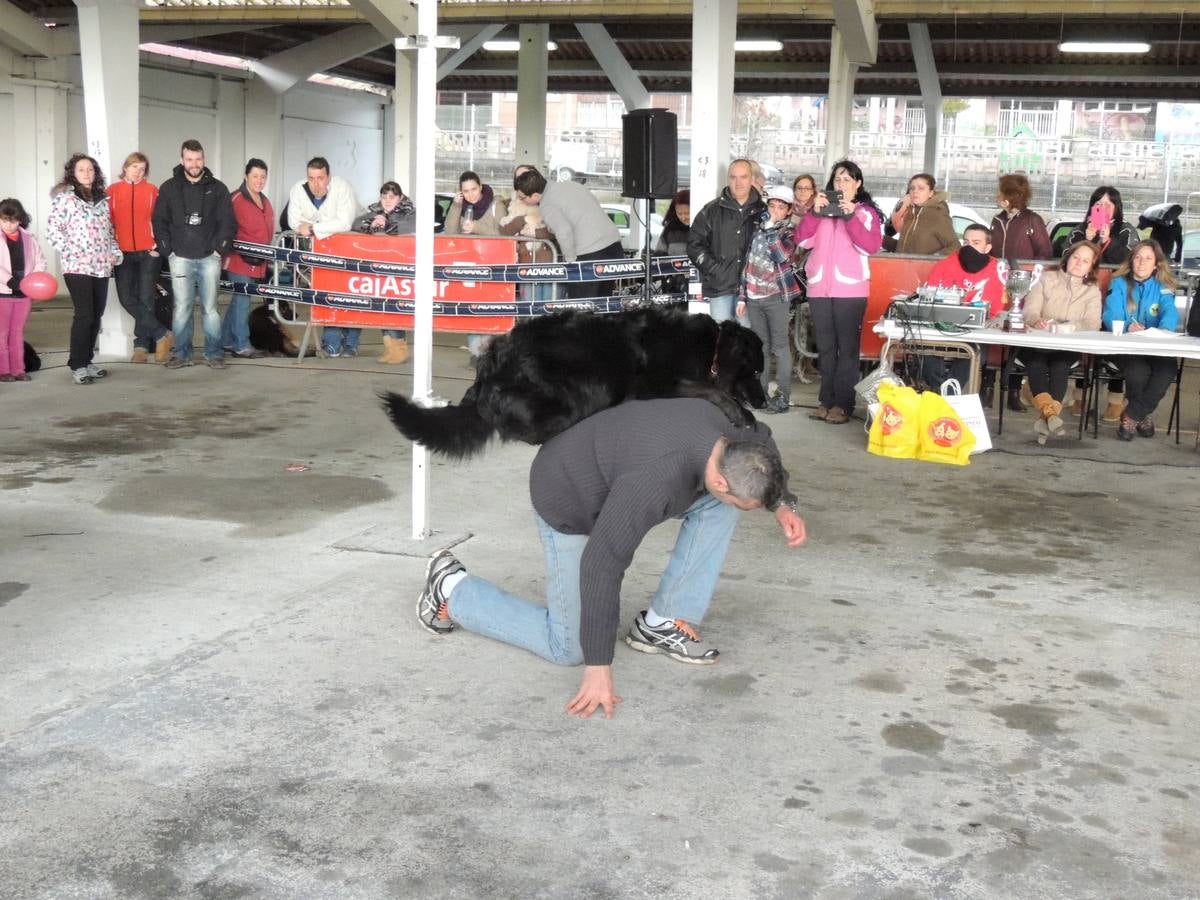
(423, 193)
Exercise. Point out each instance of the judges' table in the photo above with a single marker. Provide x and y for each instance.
(1094, 344)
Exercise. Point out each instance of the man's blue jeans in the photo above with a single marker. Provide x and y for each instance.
(192, 278)
(552, 631)
(337, 340)
(235, 327)
(721, 309)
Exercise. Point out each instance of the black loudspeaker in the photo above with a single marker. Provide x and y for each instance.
(649, 160)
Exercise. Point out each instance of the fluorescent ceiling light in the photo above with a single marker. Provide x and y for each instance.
(758, 46)
(512, 46)
(1104, 47)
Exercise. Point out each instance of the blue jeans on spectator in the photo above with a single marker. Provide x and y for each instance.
(135, 279)
(192, 278)
(552, 631)
(235, 327)
(721, 307)
(337, 340)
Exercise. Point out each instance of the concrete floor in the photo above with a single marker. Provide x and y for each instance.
(970, 683)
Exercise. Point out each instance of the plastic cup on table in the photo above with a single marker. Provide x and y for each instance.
(1118, 326)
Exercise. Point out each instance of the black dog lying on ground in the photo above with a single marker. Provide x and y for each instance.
(552, 371)
(268, 334)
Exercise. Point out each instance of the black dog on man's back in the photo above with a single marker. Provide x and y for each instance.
(552, 371)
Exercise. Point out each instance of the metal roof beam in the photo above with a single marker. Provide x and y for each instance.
(467, 50)
(167, 34)
(23, 32)
(283, 70)
(630, 88)
(855, 21)
(391, 18)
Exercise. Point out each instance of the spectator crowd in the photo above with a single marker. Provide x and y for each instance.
(758, 252)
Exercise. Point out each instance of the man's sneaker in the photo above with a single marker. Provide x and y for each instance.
(177, 362)
(96, 371)
(349, 351)
(432, 611)
(677, 639)
(81, 376)
(248, 353)
(215, 362)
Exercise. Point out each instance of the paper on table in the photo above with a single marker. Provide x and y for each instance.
(1156, 333)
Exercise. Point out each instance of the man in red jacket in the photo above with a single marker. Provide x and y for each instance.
(982, 276)
(255, 225)
(131, 203)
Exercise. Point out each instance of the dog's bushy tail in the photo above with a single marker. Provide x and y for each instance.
(453, 431)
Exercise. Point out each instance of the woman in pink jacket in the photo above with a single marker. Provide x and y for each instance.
(840, 237)
(19, 255)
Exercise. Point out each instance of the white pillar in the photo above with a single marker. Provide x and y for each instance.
(404, 122)
(840, 104)
(931, 92)
(532, 69)
(264, 136)
(423, 196)
(108, 52)
(228, 159)
(714, 27)
(42, 111)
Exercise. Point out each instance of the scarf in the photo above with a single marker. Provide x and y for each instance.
(484, 203)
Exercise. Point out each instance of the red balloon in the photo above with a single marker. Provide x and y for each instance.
(39, 286)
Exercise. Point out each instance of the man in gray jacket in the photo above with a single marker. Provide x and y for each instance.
(579, 224)
(720, 238)
(597, 489)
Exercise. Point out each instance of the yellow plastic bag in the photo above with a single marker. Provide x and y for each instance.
(895, 429)
(943, 436)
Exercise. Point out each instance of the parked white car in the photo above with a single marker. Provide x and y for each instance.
(622, 216)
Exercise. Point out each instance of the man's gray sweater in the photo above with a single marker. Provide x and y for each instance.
(613, 477)
(578, 222)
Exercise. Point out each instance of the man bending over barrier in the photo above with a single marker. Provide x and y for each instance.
(597, 489)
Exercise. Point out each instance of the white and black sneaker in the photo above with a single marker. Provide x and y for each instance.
(677, 639)
(432, 612)
(96, 371)
(81, 376)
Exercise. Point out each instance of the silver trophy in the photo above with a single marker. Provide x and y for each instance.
(1019, 284)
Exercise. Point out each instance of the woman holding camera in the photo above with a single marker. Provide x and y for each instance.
(843, 229)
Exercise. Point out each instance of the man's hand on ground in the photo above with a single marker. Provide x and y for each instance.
(596, 690)
(792, 525)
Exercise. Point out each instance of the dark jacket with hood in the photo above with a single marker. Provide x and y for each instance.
(193, 220)
(1121, 239)
(720, 239)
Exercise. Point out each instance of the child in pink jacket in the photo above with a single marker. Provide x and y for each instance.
(840, 239)
(19, 255)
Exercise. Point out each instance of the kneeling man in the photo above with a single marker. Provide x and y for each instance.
(597, 489)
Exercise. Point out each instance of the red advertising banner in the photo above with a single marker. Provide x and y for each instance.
(448, 250)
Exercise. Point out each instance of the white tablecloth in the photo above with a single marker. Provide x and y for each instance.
(1100, 343)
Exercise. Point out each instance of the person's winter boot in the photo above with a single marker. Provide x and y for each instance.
(1049, 422)
(395, 351)
(1112, 412)
(162, 348)
(1014, 400)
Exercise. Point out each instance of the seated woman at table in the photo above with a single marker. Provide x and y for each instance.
(1065, 299)
(1142, 295)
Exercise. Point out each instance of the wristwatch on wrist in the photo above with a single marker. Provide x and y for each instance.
(789, 501)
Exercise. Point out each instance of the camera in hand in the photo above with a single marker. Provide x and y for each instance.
(833, 209)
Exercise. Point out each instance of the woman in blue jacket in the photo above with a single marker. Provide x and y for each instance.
(1142, 295)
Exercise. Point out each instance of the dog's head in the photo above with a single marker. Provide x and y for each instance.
(739, 363)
